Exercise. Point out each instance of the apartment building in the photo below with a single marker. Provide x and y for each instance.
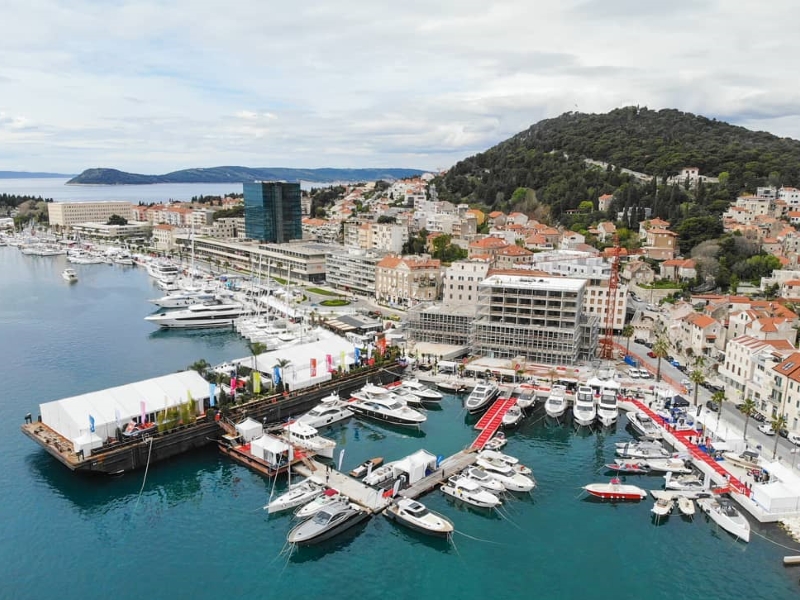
(352, 269)
(406, 281)
(68, 214)
(741, 360)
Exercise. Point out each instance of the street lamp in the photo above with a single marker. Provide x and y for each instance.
(793, 452)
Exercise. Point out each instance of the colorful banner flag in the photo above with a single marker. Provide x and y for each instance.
(342, 360)
(357, 355)
(143, 411)
(276, 374)
(313, 367)
(91, 423)
(328, 363)
(212, 394)
(381, 342)
(256, 382)
(369, 351)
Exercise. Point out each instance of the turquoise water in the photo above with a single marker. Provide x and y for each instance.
(198, 530)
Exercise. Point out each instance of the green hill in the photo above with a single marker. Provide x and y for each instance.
(239, 175)
(548, 158)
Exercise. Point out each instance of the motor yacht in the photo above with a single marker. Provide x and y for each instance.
(199, 316)
(453, 385)
(481, 397)
(663, 507)
(184, 298)
(470, 492)
(671, 464)
(305, 436)
(298, 493)
(724, 514)
(331, 409)
(607, 411)
(326, 498)
(526, 396)
(511, 461)
(366, 467)
(686, 483)
(387, 408)
(486, 481)
(513, 416)
(327, 523)
(646, 450)
(416, 515)
(643, 424)
(556, 404)
(584, 411)
(512, 480)
(162, 270)
(69, 275)
(420, 390)
(381, 475)
(615, 490)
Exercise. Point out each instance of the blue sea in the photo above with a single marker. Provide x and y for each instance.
(195, 528)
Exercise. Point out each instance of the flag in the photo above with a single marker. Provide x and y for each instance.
(233, 385)
(381, 342)
(341, 458)
(143, 411)
(342, 361)
(118, 418)
(328, 363)
(91, 423)
(313, 367)
(369, 351)
(276, 374)
(357, 355)
(256, 382)
(212, 394)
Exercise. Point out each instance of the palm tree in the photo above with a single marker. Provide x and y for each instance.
(748, 410)
(281, 364)
(201, 366)
(627, 333)
(696, 377)
(778, 423)
(256, 348)
(661, 350)
(718, 398)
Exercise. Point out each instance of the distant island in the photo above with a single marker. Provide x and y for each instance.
(31, 175)
(239, 175)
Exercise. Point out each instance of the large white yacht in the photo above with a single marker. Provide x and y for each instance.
(481, 397)
(197, 316)
(386, 407)
(163, 271)
(330, 410)
(556, 404)
(185, 298)
(584, 411)
(607, 411)
(420, 390)
(307, 437)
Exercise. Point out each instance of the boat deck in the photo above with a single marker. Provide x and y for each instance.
(490, 422)
(365, 496)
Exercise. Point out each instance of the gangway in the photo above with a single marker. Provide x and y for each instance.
(490, 422)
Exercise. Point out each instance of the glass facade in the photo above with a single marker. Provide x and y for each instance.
(272, 211)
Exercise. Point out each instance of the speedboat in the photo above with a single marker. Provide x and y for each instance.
(407, 396)
(416, 515)
(513, 416)
(326, 498)
(663, 507)
(486, 481)
(330, 410)
(647, 450)
(584, 411)
(526, 396)
(724, 514)
(389, 410)
(686, 483)
(672, 464)
(497, 442)
(607, 411)
(307, 437)
(481, 397)
(366, 467)
(633, 467)
(512, 480)
(643, 424)
(470, 492)
(556, 403)
(507, 459)
(327, 523)
(747, 459)
(380, 475)
(615, 490)
(686, 506)
(453, 385)
(69, 275)
(298, 493)
(206, 315)
(420, 390)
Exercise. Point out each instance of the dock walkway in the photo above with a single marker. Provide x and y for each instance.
(368, 497)
(449, 466)
(490, 422)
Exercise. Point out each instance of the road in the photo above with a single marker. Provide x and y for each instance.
(730, 418)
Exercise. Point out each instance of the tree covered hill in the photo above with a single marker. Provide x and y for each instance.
(548, 158)
(239, 175)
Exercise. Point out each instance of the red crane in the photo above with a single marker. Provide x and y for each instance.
(607, 343)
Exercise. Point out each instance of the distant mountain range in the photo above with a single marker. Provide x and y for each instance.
(239, 175)
(30, 175)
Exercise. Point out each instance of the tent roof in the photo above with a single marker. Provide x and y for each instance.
(271, 443)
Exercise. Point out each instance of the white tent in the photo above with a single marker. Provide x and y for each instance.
(249, 429)
(86, 443)
(416, 466)
(116, 406)
(269, 448)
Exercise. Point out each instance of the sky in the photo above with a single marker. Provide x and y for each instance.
(151, 87)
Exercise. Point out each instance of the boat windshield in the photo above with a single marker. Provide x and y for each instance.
(322, 518)
(394, 406)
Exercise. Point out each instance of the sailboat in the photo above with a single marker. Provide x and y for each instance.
(298, 493)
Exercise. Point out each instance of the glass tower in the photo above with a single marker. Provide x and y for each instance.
(272, 211)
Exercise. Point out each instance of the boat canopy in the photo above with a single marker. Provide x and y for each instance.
(250, 429)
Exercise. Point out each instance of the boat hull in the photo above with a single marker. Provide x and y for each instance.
(379, 416)
(358, 517)
(393, 514)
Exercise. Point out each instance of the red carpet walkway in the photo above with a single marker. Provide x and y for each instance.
(490, 422)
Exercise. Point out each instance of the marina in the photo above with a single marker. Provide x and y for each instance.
(187, 492)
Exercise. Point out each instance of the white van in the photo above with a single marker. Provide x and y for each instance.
(794, 438)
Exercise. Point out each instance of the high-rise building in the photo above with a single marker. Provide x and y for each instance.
(272, 211)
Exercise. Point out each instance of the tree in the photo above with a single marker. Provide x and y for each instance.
(778, 423)
(697, 376)
(387, 219)
(661, 350)
(586, 206)
(201, 366)
(718, 398)
(748, 410)
(627, 333)
(256, 348)
(116, 220)
(282, 363)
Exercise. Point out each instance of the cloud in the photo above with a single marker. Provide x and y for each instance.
(131, 84)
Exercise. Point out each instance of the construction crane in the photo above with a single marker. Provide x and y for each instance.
(607, 343)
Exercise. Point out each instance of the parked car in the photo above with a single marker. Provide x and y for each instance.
(766, 429)
(651, 354)
(677, 402)
(681, 368)
(648, 344)
(783, 432)
(794, 438)
(686, 383)
(645, 374)
(640, 341)
(759, 417)
(711, 405)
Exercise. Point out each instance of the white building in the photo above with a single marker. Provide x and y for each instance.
(352, 269)
(68, 214)
(461, 279)
(741, 363)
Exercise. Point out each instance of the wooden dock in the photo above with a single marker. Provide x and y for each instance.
(360, 493)
(448, 467)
